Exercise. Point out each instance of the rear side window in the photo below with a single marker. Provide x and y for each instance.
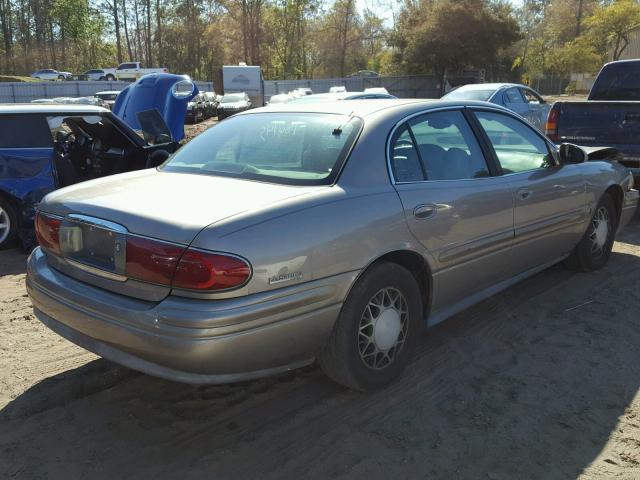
(24, 131)
(517, 146)
(405, 161)
(448, 147)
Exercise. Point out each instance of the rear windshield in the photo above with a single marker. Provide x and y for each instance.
(617, 82)
(477, 95)
(287, 148)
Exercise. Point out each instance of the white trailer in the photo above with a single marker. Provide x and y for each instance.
(244, 78)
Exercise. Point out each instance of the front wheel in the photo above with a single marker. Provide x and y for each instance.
(594, 249)
(110, 78)
(8, 225)
(377, 330)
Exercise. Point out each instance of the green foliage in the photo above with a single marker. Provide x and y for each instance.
(449, 35)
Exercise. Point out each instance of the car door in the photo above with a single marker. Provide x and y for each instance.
(455, 205)
(550, 203)
(537, 108)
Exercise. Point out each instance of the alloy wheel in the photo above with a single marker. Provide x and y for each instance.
(5, 224)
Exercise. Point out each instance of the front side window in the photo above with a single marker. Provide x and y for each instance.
(287, 148)
(531, 96)
(448, 147)
(517, 146)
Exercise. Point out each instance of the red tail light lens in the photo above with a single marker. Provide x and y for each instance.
(551, 128)
(198, 270)
(151, 260)
(48, 232)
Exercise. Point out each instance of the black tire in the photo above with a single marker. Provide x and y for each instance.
(588, 256)
(110, 78)
(61, 77)
(8, 215)
(347, 357)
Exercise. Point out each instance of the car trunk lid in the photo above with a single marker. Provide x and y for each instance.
(98, 217)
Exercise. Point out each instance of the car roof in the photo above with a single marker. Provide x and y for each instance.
(107, 92)
(8, 108)
(488, 86)
(364, 108)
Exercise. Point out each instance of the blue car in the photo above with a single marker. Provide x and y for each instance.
(47, 146)
(521, 99)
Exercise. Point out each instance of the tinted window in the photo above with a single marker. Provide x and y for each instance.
(24, 131)
(517, 146)
(302, 149)
(405, 162)
(124, 66)
(447, 146)
(513, 95)
(617, 81)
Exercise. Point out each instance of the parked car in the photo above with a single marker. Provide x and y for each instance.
(95, 75)
(232, 103)
(210, 104)
(50, 74)
(48, 146)
(131, 71)
(337, 89)
(71, 101)
(334, 232)
(610, 116)
(280, 98)
(304, 91)
(332, 97)
(196, 110)
(521, 99)
(109, 97)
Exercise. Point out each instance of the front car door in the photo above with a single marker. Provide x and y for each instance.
(454, 204)
(550, 209)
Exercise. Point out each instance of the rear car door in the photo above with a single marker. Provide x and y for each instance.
(454, 204)
(550, 203)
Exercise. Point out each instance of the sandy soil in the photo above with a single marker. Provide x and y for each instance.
(540, 381)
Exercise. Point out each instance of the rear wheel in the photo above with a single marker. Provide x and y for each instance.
(594, 249)
(8, 225)
(110, 78)
(60, 77)
(377, 330)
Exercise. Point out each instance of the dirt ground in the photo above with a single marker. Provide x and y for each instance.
(541, 381)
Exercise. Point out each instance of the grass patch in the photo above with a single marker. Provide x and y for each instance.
(16, 78)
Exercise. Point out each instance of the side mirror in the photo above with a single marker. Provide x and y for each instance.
(570, 153)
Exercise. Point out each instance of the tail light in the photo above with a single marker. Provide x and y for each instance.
(551, 128)
(151, 260)
(172, 265)
(48, 232)
(199, 270)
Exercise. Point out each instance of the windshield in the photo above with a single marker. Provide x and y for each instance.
(232, 97)
(288, 148)
(617, 82)
(478, 95)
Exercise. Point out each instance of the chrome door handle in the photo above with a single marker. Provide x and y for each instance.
(524, 193)
(425, 211)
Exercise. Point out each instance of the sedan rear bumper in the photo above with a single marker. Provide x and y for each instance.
(189, 340)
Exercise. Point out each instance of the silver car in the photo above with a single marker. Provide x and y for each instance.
(521, 99)
(331, 232)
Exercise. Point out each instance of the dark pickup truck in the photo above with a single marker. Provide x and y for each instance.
(610, 116)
